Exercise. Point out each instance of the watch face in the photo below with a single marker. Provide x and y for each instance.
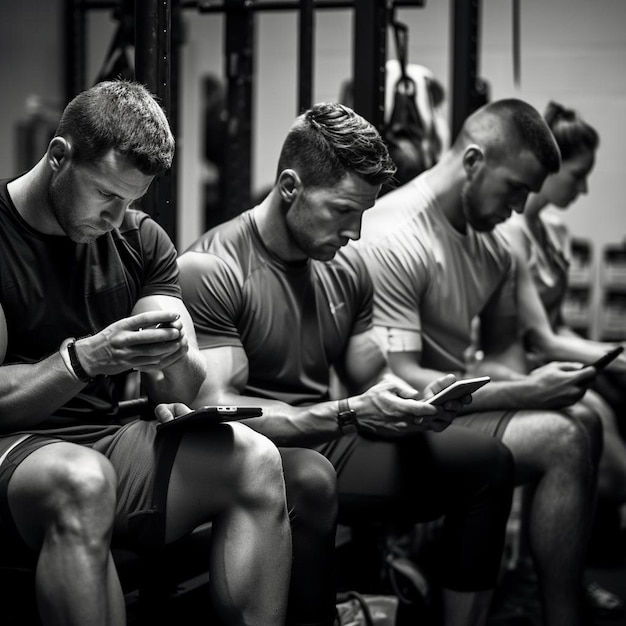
(347, 421)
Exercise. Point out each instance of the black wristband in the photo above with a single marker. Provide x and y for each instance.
(346, 417)
(81, 374)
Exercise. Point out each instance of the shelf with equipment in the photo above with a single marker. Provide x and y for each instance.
(612, 309)
(578, 304)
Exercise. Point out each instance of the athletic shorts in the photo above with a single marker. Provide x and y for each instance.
(142, 462)
(492, 423)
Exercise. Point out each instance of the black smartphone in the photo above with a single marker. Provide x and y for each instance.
(208, 415)
(604, 360)
(458, 389)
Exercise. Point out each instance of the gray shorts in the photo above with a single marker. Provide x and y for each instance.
(492, 423)
(142, 461)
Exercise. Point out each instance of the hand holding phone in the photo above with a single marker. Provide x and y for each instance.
(208, 415)
(458, 389)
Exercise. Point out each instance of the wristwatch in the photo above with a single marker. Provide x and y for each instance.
(346, 417)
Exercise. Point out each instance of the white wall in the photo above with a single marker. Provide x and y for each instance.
(573, 51)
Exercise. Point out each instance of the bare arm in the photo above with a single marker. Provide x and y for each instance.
(553, 386)
(169, 358)
(28, 393)
(550, 345)
(387, 402)
(180, 378)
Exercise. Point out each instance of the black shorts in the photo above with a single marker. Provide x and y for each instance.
(143, 463)
(492, 423)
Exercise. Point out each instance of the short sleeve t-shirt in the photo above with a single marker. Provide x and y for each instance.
(547, 261)
(52, 288)
(293, 320)
(431, 279)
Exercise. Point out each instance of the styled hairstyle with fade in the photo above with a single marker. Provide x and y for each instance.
(572, 133)
(330, 140)
(123, 116)
(503, 124)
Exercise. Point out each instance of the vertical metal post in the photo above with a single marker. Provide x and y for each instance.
(305, 74)
(370, 54)
(236, 173)
(74, 48)
(465, 38)
(153, 56)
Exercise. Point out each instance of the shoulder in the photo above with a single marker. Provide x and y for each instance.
(226, 252)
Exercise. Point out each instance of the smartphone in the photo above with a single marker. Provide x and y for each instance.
(208, 415)
(604, 360)
(458, 389)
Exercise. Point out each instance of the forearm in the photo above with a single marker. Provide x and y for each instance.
(570, 347)
(179, 382)
(284, 424)
(31, 392)
(503, 395)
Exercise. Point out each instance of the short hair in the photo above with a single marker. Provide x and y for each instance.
(503, 124)
(330, 140)
(572, 133)
(123, 116)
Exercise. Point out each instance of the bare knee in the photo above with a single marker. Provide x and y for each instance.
(545, 441)
(259, 469)
(311, 483)
(85, 489)
(73, 499)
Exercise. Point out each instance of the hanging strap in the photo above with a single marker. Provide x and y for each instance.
(401, 35)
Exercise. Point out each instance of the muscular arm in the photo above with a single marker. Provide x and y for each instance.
(180, 380)
(553, 386)
(29, 392)
(169, 358)
(227, 375)
(379, 397)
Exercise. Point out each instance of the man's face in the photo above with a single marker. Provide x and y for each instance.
(495, 190)
(320, 220)
(563, 187)
(88, 201)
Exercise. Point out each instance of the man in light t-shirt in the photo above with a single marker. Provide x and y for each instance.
(437, 265)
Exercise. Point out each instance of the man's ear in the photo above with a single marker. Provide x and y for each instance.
(289, 185)
(473, 157)
(59, 152)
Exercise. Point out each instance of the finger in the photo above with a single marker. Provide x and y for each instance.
(167, 412)
(437, 385)
(147, 319)
(153, 334)
(416, 407)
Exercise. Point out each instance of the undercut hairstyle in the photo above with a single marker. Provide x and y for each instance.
(330, 140)
(573, 135)
(123, 116)
(501, 125)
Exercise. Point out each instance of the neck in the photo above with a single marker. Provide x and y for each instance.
(271, 224)
(29, 194)
(445, 180)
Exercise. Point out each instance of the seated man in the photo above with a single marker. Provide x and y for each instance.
(84, 280)
(277, 301)
(541, 243)
(436, 265)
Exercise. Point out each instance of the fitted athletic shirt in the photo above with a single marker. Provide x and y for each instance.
(547, 261)
(52, 288)
(431, 279)
(293, 320)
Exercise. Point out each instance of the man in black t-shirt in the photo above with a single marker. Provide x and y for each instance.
(84, 281)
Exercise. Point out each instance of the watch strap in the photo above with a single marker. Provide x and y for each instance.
(80, 372)
(346, 417)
